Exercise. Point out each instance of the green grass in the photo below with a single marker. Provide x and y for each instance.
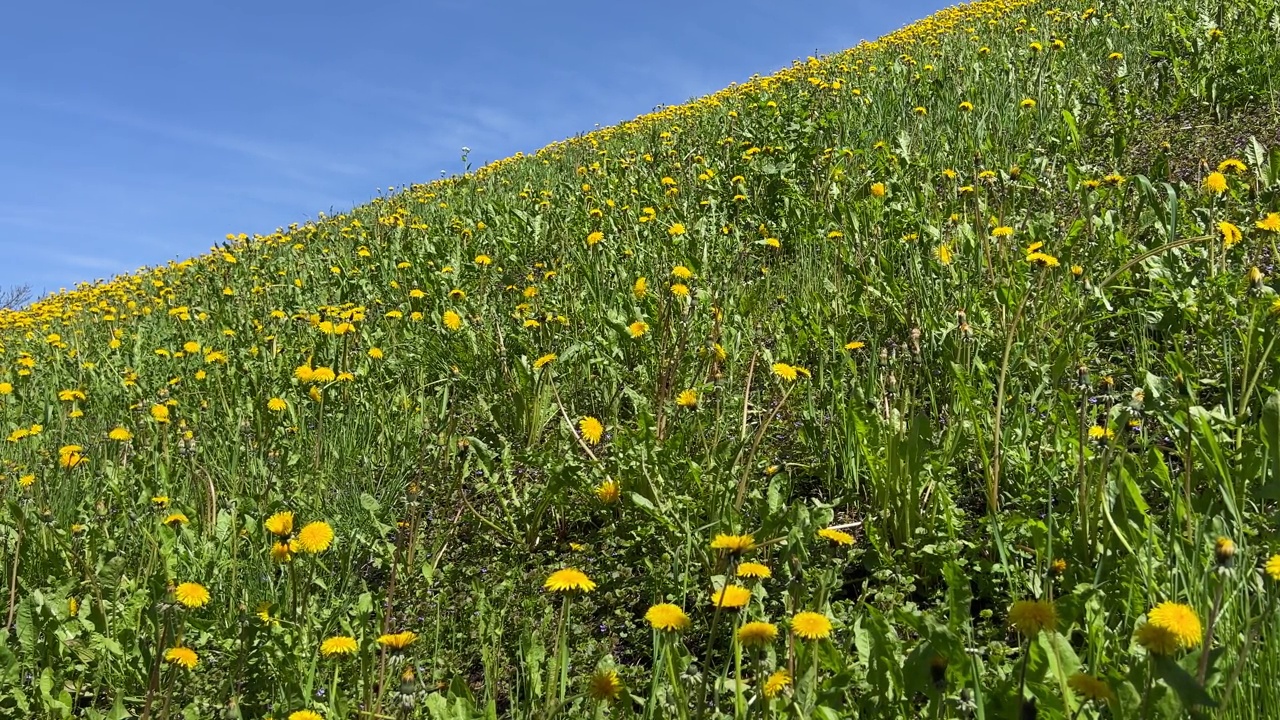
(990, 429)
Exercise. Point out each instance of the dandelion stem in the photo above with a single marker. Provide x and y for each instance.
(993, 486)
(13, 576)
(1209, 628)
(562, 648)
(755, 445)
(706, 663)
(739, 707)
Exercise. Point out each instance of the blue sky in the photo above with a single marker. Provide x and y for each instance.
(137, 132)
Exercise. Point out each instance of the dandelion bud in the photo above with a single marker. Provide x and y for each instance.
(408, 683)
(1224, 551)
(884, 357)
(915, 342)
(1082, 373)
(1256, 277)
(892, 383)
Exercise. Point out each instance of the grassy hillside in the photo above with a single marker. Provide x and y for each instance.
(935, 378)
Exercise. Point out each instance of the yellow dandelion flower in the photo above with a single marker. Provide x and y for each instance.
(754, 570)
(176, 519)
(1270, 223)
(280, 524)
(265, 616)
(594, 237)
(1224, 551)
(160, 413)
(733, 544)
(591, 429)
(71, 455)
(837, 537)
(1216, 183)
(71, 395)
(542, 361)
(569, 580)
(966, 106)
(1043, 260)
(757, 633)
(640, 288)
(878, 189)
(604, 686)
(687, 399)
(667, 617)
(315, 537)
(303, 373)
(731, 597)
(1099, 433)
(1170, 627)
(323, 375)
(777, 682)
(943, 253)
(1232, 165)
(281, 552)
(305, 715)
(26, 481)
(452, 320)
(276, 404)
(811, 625)
(192, 595)
(182, 657)
(1272, 567)
(1027, 104)
(1230, 233)
(483, 260)
(676, 229)
(785, 371)
(1029, 617)
(680, 290)
(609, 492)
(397, 642)
(120, 434)
(638, 328)
(338, 645)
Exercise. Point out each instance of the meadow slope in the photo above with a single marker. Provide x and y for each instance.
(934, 378)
